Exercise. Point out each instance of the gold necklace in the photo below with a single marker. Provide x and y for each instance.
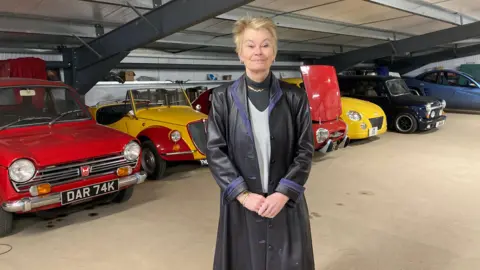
(256, 90)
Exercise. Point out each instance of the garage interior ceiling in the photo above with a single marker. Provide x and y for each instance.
(307, 28)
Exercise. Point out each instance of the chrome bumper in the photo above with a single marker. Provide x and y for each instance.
(30, 203)
(330, 145)
(327, 147)
(345, 142)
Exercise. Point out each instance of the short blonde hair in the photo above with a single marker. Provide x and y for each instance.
(255, 23)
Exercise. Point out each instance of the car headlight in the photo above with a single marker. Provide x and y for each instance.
(322, 134)
(354, 116)
(198, 107)
(428, 107)
(444, 103)
(131, 151)
(433, 114)
(21, 170)
(175, 135)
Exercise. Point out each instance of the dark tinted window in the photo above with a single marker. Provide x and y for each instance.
(358, 87)
(430, 77)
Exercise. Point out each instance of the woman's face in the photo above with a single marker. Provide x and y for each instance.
(257, 51)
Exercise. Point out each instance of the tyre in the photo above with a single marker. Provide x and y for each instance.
(124, 195)
(6, 223)
(405, 123)
(152, 163)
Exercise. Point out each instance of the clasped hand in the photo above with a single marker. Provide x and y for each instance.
(267, 207)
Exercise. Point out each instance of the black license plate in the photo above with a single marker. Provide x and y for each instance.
(83, 193)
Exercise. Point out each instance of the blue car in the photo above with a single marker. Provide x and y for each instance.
(458, 89)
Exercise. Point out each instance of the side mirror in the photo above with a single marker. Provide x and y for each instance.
(471, 84)
(131, 114)
(198, 107)
(415, 92)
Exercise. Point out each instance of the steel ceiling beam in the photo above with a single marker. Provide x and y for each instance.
(88, 31)
(302, 22)
(402, 47)
(410, 64)
(96, 58)
(428, 10)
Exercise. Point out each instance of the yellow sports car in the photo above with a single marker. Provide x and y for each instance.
(163, 120)
(364, 119)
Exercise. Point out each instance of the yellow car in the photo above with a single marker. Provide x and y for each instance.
(169, 129)
(364, 119)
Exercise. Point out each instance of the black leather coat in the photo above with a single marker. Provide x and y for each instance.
(245, 240)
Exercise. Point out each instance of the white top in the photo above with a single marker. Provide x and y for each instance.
(261, 136)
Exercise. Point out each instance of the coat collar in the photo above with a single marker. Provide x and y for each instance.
(239, 95)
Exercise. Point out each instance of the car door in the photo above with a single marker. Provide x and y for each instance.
(442, 88)
(467, 93)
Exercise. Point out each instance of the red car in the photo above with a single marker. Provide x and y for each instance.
(54, 154)
(321, 85)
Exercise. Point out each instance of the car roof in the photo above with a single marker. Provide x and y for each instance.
(12, 81)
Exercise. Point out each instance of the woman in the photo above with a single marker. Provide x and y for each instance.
(259, 150)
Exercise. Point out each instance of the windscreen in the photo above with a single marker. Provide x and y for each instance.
(27, 106)
(397, 87)
(159, 97)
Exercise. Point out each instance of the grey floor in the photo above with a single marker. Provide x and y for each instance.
(403, 202)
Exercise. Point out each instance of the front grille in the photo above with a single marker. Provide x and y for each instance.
(377, 122)
(437, 113)
(65, 173)
(199, 136)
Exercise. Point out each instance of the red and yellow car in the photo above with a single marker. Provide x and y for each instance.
(162, 119)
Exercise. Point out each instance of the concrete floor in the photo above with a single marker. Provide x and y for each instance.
(403, 202)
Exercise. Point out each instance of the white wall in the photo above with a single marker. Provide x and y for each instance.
(162, 75)
(192, 58)
(448, 64)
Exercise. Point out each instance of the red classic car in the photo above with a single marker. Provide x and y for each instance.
(321, 85)
(54, 154)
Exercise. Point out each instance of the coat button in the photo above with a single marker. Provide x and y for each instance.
(270, 247)
(261, 242)
(252, 178)
(272, 161)
(270, 225)
(272, 138)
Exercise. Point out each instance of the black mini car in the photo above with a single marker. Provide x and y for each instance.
(406, 112)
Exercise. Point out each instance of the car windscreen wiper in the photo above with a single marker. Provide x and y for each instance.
(24, 119)
(62, 115)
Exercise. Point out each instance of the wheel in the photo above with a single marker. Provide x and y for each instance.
(124, 195)
(405, 123)
(6, 223)
(152, 163)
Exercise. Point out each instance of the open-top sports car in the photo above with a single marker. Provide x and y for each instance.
(162, 120)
